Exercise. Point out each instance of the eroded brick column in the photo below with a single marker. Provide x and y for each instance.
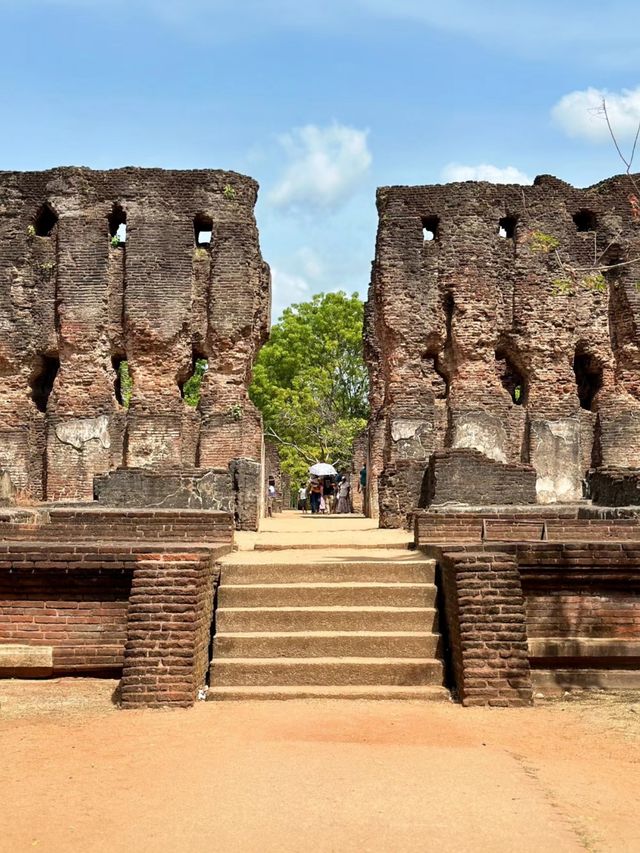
(166, 652)
(485, 615)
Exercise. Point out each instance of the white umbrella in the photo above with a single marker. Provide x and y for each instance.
(322, 469)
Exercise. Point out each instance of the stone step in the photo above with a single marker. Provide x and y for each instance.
(554, 682)
(263, 619)
(269, 672)
(343, 594)
(584, 647)
(407, 644)
(299, 545)
(366, 571)
(428, 693)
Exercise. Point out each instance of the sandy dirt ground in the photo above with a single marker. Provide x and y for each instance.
(77, 774)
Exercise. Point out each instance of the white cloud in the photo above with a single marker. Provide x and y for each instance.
(310, 264)
(287, 288)
(326, 166)
(580, 113)
(484, 172)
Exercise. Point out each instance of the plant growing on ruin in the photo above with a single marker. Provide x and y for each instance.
(125, 383)
(31, 231)
(115, 241)
(542, 243)
(562, 287)
(228, 192)
(235, 412)
(47, 268)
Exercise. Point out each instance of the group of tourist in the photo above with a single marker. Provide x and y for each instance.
(329, 494)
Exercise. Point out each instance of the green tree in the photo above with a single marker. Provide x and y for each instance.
(311, 384)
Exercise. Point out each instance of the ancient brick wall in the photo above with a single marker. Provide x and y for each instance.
(474, 338)
(75, 304)
(615, 487)
(170, 610)
(576, 606)
(80, 615)
(484, 609)
(94, 590)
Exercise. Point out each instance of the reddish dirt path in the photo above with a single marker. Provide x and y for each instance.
(76, 774)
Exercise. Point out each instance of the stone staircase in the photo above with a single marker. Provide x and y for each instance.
(335, 627)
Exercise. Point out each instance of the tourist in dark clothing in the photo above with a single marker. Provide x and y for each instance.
(315, 492)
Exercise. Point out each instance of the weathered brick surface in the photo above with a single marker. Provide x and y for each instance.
(71, 300)
(467, 476)
(454, 323)
(81, 615)
(577, 603)
(166, 652)
(485, 614)
(615, 486)
(134, 525)
(132, 588)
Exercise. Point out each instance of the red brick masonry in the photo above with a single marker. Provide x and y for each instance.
(514, 605)
(118, 591)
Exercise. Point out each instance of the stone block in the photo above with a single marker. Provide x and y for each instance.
(177, 489)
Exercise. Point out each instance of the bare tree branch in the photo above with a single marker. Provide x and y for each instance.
(271, 433)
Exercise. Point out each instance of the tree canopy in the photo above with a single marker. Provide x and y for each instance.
(311, 384)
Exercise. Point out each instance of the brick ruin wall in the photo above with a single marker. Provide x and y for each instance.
(74, 306)
(130, 592)
(455, 323)
(539, 601)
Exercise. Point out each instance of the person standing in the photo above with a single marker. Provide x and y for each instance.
(344, 504)
(302, 498)
(315, 490)
(362, 487)
(271, 493)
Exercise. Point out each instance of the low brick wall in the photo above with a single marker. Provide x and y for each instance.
(78, 614)
(128, 592)
(485, 614)
(169, 623)
(105, 525)
(562, 525)
(468, 476)
(576, 604)
(615, 486)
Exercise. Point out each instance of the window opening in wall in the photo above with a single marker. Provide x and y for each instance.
(191, 388)
(42, 380)
(430, 225)
(203, 230)
(117, 226)
(612, 258)
(507, 227)
(122, 383)
(45, 221)
(441, 389)
(585, 220)
(588, 373)
(511, 377)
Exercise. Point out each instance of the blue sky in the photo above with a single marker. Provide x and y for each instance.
(320, 104)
